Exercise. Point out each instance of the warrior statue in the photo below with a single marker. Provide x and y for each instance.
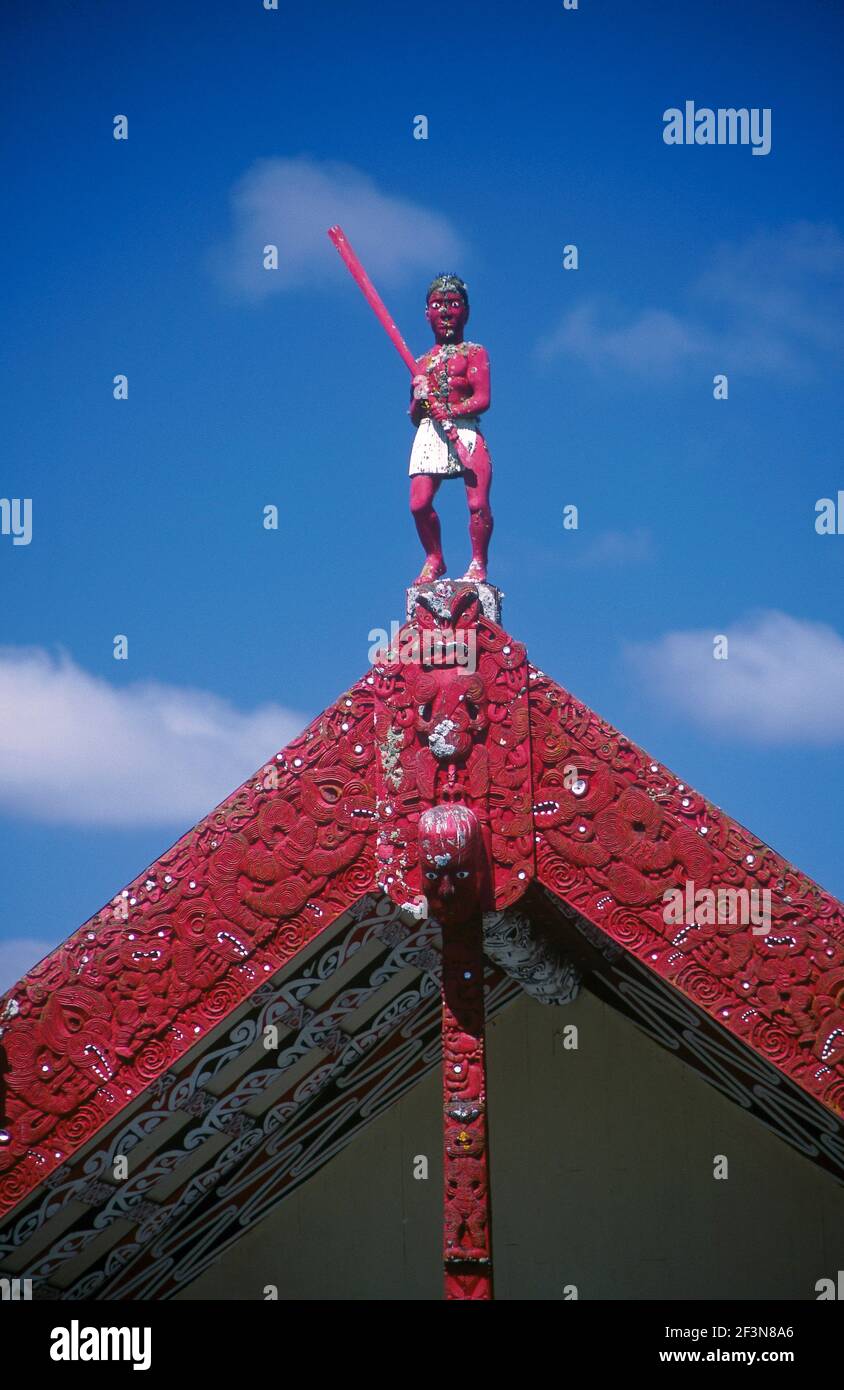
(450, 390)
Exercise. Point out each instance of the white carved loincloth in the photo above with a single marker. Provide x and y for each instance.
(432, 453)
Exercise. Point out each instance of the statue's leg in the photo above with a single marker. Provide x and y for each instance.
(478, 484)
(423, 490)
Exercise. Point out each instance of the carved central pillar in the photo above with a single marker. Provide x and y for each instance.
(456, 838)
(467, 1215)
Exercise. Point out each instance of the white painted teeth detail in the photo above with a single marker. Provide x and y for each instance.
(103, 1070)
(224, 936)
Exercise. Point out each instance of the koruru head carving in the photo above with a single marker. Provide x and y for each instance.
(451, 862)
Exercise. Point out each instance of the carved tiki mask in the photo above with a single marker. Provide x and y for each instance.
(451, 862)
(451, 713)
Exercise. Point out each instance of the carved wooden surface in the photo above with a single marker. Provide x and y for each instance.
(455, 732)
(617, 830)
(138, 985)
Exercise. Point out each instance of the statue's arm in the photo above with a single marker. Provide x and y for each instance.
(417, 410)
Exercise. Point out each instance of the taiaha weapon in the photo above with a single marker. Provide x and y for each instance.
(379, 308)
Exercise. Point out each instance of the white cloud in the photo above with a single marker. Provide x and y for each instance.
(782, 682)
(77, 750)
(772, 304)
(290, 203)
(782, 296)
(614, 548)
(653, 340)
(19, 954)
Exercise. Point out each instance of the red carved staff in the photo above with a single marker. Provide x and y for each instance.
(376, 303)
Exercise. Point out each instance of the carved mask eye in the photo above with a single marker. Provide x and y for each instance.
(425, 711)
(472, 709)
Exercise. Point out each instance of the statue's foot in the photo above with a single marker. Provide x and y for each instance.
(476, 572)
(433, 568)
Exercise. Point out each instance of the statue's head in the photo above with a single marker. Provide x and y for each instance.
(447, 308)
(450, 862)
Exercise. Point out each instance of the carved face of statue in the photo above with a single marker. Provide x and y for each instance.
(447, 313)
(449, 862)
(450, 713)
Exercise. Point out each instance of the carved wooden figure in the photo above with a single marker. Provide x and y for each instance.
(450, 390)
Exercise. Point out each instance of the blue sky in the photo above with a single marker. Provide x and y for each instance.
(249, 388)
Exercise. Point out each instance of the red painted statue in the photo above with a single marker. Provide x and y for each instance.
(450, 391)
